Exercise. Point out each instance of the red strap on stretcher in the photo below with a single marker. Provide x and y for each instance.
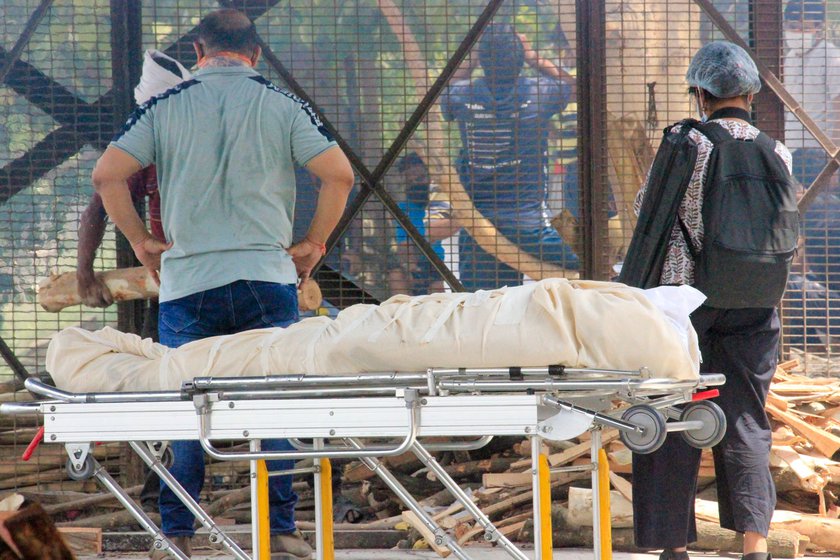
(703, 395)
(33, 445)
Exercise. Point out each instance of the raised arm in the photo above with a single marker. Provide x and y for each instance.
(543, 65)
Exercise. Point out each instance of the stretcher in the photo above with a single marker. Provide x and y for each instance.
(350, 416)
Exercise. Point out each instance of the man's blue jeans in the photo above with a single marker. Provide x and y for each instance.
(240, 306)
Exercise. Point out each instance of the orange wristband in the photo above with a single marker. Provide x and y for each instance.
(321, 246)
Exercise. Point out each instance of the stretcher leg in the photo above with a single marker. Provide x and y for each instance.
(490, 532)
(326, 513)
(324, 538)
(604, 503)
(160, 542)
(541, 482)
(441, 536)
(601, 528)
(217, 536)
(262, 526)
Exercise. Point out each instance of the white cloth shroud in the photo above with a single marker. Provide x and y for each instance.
(581, 324)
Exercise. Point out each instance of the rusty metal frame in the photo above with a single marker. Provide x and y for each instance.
(126, 67)
(592, 111)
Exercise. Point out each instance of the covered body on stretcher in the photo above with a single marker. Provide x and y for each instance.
(449, 365)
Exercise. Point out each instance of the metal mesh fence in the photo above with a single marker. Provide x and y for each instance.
(504, 177)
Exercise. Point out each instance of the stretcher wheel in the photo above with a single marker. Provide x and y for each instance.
(83, 473)
(651, 421)
(714, 424)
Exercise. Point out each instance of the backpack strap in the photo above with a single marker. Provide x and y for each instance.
(715, 132)
(765, 141)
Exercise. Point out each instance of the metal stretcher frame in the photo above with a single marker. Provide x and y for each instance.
(553, 403)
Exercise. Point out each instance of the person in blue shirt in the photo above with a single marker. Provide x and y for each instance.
(412, 273)
(504, 120)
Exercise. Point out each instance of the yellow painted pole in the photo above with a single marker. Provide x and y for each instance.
(546, 546)
(327, 511)
(262, 523)
(604, 503)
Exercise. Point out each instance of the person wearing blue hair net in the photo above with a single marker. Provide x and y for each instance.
(504, 118)
(740, 342)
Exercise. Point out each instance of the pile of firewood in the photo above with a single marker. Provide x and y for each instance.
(805, 463)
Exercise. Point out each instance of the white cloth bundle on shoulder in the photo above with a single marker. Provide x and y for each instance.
(555, 321)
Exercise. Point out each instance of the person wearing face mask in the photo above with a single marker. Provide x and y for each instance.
(225, 143)
(504, 118)
(739, 340)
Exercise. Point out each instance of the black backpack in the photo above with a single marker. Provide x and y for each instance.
(750, 221)
(667, 182)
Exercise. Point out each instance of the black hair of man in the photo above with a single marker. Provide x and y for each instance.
(227, 30)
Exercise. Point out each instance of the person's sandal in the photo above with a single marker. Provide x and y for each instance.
(670, 554)
(757, 556)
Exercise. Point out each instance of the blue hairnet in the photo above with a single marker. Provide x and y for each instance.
(805, 10)
(723, 69)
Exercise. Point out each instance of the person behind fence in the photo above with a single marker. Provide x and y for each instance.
(740, 186)
(812, 76)
(504, 119)
(160, 72)
(411, 272)
(224, 144)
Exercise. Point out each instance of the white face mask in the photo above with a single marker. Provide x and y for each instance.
(800, 42)
(701, 116)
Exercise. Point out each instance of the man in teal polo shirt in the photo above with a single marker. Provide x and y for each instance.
(225, 144)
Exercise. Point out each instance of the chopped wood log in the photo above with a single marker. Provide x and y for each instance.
(568, 535)
(776, 400)
(228, 501)
(580, 508)
(780, 543)
(809, 480)
(357, 471)
(460, 470)
(823, 532)
(89, 501)
(109, 520)
(127, 284)
(622, 486)
(513, 480)
(825, 442)
(570, 454)
(83, 540)
(411, 518)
